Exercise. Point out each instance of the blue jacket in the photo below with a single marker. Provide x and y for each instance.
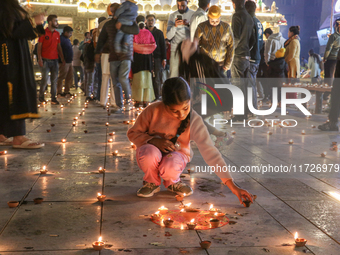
(127, 12)
(66, 45)
(255, 55)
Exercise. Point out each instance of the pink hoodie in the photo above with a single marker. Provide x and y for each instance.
(156, 121)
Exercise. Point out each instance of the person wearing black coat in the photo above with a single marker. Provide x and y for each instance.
(17, 83)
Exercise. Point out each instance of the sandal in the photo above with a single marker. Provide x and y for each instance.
(29, 144)
(7, 142)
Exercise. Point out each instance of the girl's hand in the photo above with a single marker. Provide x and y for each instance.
(163, 144)
(242, 194)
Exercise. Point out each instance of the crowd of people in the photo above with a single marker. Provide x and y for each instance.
(127, 46)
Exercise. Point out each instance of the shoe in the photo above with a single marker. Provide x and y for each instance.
(148, 190)
(180, 188)
(329, 126)
(42, 100)
(61, 95)
(54, 101)
(7, 142)
(117, 110)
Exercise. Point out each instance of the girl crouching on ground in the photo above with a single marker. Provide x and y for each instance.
(162, 134)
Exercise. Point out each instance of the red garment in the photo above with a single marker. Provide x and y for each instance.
(49, 49)
(144, 42)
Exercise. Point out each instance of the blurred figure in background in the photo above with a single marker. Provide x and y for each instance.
(77, 66)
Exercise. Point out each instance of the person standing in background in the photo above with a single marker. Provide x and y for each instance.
(314, 64)
(17, 85)
(244, 40)
(177, 31)
(77, 67)
(66, 71)
(159, 55)
(255, 52)
(199, 16)
(48, 50)
(105, 64)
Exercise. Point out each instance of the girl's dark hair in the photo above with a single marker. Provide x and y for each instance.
(176, 91)
(140, 18)
(316, 57)
(10, 12)
(295, 30)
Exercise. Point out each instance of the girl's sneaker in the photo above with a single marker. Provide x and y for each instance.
(148, 190)
(180, 188)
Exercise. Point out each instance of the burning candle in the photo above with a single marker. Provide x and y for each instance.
(299, 242)
(168, 222)
(303, 132)
(83, 109)
(43, 170)
(163, 210)
(61, 106)
(133, 146)
(156, 216)
(324, 154)
(107, 124)
(115, 153)
(38, 105)
(3, 152)
(101, 170)
(101, 198)
(110, 140)
(75, 118)
(73, 123)
(313, 126)
(213, 210)
(233, 132)
(192, 224)
(98, 245)
(112, 133)
(68, 100)
(291, 141)
(79, 113)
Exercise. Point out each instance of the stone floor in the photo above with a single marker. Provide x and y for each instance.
(70, 218)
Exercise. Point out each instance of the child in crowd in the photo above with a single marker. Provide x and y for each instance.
(162, 134)
(126, 14)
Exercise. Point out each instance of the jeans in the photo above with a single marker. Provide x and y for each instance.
(121, 42)
(98, 79)
(90, 86)
(174, 64)
(157, 80)
(253, 69)
(106, 81)
(77, 69)
(120, 79)
(239, 75)
(50, 65)
(335, 95)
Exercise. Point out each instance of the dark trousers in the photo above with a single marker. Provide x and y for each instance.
(157, 79)
(8, 127)
(240, 75)
(335, 96)
(98, 79)
(253, 69)
(329, 66)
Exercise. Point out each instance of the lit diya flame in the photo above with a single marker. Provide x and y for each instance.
(157, 212)
(187, 205)
(182, 210)
(296, 235)
(216, 214)
(3, 152)
(303, 132)
(63, 140)
(182, 228)
(107, 123)
(100, 239)
(324, 154)
(162, 208)
(192, 221)
(291, 141)
(211, 206)
(61, 106)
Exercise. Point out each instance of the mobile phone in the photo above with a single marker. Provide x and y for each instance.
(179, 17)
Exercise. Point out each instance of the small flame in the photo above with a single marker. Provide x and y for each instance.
(188, 204)
(100, 239)
(182, 210)
(182, 227)
(100, 168)
(162, 207)
(184, 195)
(296, 235)
(216, 214)
(192, 221)
(157, 212)
(44, 167)
(5, 152)
(131, 144)
(99, 194)
(169, 218)
(211, 206)
(116, 151)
